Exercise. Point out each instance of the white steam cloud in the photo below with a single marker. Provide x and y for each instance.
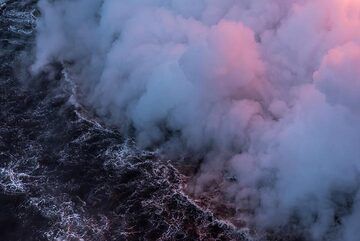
(268, 91)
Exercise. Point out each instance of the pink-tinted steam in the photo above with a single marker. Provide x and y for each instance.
(267, 91)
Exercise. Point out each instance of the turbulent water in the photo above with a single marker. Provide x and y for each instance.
(66, 176)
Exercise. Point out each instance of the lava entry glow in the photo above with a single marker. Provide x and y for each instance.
(265, 92)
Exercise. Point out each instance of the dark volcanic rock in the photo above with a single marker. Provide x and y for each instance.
(66, 176)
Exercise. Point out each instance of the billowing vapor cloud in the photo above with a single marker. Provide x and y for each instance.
(267, 91)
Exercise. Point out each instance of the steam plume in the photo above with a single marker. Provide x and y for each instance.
(268, 91)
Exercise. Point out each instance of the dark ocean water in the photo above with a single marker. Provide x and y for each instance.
(66, 176)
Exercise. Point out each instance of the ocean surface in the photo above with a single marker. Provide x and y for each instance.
(64, 175)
